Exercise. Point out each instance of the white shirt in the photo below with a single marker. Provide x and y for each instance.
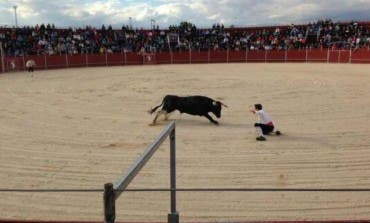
(263, 117)
(30, 63)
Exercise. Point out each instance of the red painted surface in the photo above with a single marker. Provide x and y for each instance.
(237, 56)
(199, 56)
(77, 60)
(275, 56)
(116, 59)
(56, 61)
(317, 55)
(181, 57)
(218, 56)
(163, 58)
(96, 60)
(256, 56)
(186, 57)
(296, 55)
(133, 59)
(149, 59)
(360, 56)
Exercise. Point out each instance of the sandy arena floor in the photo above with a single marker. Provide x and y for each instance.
(81, 128)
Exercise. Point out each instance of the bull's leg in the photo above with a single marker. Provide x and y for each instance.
(157, 115)
(211, 119)
(155, 118)
(167, 115)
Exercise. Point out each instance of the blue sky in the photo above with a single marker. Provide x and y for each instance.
(202, 13)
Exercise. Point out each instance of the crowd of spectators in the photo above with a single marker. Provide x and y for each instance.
(47, 39)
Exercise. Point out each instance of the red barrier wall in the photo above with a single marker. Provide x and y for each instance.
(164, 58)
(199, 56)
(218, 56)
(14, 64)
(181, 57)
(2, 66)
(88, 60)
(77, 61)
(115, 59)
(59, 61)
(360, 56)
(275, 56)
(237, 56)
(133, 59)
(97, 60)
(256, 56)
(318, 55)
(296, 55)
(149, 59)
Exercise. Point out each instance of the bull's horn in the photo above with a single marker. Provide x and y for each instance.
(223, 104)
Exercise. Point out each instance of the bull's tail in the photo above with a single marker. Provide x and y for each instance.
(155, 108)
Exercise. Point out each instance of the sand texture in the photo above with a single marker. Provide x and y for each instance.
(81, 128)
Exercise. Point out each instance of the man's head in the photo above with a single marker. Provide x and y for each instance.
(258, 107)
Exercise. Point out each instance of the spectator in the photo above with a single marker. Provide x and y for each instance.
(46, 39)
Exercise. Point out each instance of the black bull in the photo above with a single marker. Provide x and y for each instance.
(193, 105)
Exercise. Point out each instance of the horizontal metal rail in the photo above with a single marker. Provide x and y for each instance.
(121, 184)
(191, 189)
(113, 191)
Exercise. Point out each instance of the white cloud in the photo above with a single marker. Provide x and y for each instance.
(170, 10)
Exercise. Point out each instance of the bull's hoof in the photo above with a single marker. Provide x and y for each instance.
(152, 124)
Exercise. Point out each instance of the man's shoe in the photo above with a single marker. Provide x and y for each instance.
(261, 138)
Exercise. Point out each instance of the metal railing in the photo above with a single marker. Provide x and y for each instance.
(113, 191)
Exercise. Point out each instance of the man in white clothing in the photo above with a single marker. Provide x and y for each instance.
(30, 65)
(264, 125)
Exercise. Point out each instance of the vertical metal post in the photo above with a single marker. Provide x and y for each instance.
(45, 62)
(189, 53)
(109, 203)
(2, 57)
(285, 55)
(265, 55)
(67, 63)
(327, 56)
(227, 55)
(173, 216)
(306, 55)
(246, 54)
(106, 59)
(124, 57)
(338, 56)
(24, 63)
(15, 16)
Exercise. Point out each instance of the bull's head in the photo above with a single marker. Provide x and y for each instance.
(216, 109)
